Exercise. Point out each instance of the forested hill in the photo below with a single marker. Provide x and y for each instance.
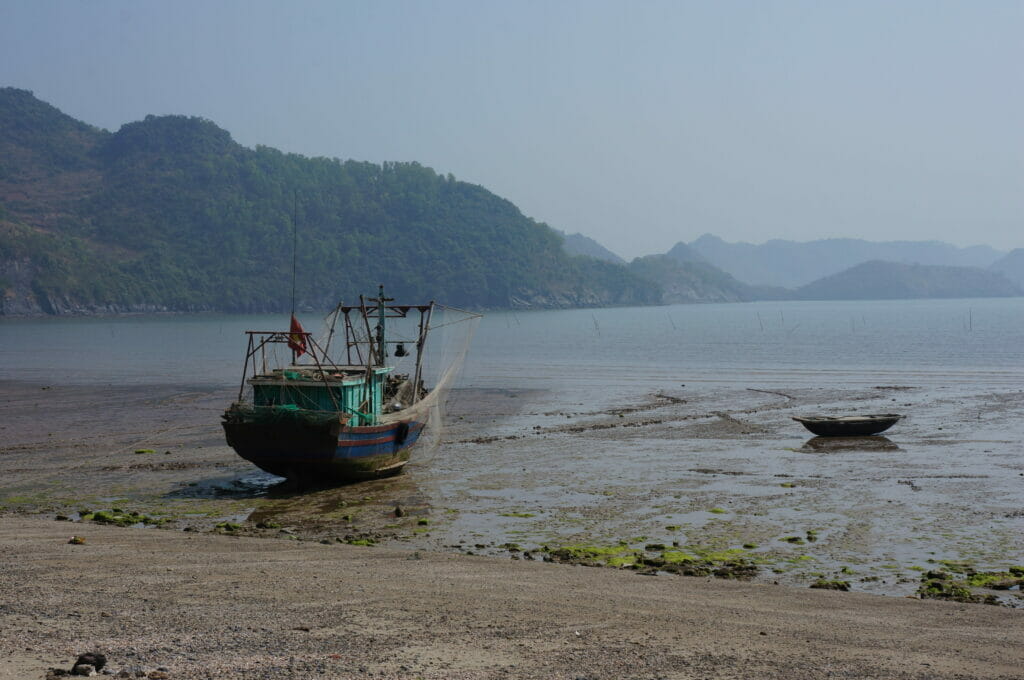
(169, 213)
(578, 244)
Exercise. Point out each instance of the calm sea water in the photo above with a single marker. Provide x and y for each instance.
(978, 341)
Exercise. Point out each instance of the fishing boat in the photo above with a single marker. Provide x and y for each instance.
(848, 426)
(326, 421)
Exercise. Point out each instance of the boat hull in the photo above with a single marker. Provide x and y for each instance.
(848, 426)
(324, 451)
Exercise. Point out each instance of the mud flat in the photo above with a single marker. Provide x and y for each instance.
(705, 473)
(429, 574)
(211, 606)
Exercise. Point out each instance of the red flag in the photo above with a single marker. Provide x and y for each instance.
(297, 338)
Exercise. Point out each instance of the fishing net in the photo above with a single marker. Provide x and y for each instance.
(448, 335)
(448, 339)
(456, 329)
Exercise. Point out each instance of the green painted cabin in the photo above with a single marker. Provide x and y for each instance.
(294, 389)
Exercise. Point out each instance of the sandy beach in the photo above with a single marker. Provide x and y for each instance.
(207, 606)
(298, 602)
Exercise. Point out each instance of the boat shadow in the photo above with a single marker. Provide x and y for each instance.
(254, 485)
(263, 485)
(248, 485)
(839, 444)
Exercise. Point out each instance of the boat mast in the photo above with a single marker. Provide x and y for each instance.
(295, 249)
(420, 341)
(382, 347)
(330, 335)
(364, 311)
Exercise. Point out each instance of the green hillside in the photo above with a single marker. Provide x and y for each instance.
(169, 213)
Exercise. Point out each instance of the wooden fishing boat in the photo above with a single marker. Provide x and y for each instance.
(848, 426)
(328, 421)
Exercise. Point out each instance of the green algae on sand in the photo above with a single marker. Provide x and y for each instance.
(121, 518)
(963, 587)
(619, 555)
(729, 563)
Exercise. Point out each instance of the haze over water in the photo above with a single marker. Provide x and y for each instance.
(977, 341)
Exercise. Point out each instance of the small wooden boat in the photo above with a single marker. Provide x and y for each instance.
(848, 426)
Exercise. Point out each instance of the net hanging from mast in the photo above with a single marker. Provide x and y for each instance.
(448, 339)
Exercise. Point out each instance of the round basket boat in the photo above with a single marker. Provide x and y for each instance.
(848, 426)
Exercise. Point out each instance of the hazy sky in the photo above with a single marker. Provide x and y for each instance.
(639, 124)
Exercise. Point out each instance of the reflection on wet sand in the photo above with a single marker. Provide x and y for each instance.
(835, 444)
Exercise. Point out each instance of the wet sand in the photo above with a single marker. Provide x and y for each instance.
(705, 468)
(208, 605)
(720, 467)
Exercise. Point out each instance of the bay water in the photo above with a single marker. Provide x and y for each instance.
(977, 341)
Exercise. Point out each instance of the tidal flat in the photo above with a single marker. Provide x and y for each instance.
(705, 479)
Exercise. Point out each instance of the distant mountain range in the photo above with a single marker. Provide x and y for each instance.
(876, 280)
(1011, 266)
(709, 269)
(171, 214)
(822, 270)
(792, 264)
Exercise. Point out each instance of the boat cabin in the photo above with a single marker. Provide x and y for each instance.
(326, 388)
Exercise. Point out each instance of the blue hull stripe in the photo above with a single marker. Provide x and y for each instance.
(373, 444)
